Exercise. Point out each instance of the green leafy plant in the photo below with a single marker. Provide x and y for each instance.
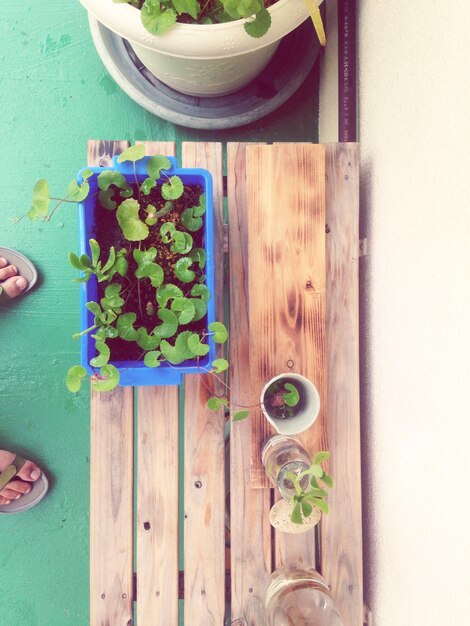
(149, 268)
(158, 16)
(314, 494)
(283, 399)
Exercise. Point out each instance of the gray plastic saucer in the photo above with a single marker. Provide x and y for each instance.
(284, 74)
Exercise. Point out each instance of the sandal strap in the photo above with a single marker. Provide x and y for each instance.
(4, 297)
(11, 471)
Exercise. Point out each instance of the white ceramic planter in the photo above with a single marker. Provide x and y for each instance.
(197, 59)
(308, 414)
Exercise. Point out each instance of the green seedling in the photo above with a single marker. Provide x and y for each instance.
(315, 494)
(158, 17)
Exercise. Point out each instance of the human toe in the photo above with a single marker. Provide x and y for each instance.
(18, 488)
(29, 472)
(7, 270)
(10, 494)
(4, 500)
(14, 285)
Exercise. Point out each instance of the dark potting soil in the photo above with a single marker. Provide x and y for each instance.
(139, 295)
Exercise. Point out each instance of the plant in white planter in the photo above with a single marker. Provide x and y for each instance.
(204, 48)
(290, 402)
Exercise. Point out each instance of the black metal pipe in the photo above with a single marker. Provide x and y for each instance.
(347, 70)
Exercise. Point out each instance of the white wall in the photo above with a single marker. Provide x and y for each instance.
(414, 121)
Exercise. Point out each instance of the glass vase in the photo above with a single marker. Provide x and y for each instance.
(300, 598)
(282, 454)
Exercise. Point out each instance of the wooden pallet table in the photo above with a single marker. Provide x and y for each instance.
(161, 554)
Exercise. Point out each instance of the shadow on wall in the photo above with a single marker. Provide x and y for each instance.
(366, 179)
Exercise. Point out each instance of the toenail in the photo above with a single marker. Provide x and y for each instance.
(3, 261)
(8, 502)
(35, 474)
(14, 268)
(21, 282)
(18, 496)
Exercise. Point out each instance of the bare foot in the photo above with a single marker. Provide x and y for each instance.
(16, 488)
(9, 279)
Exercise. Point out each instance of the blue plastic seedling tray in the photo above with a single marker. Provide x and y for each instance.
(134, 373)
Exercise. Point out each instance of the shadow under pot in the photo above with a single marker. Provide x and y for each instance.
(290, 403)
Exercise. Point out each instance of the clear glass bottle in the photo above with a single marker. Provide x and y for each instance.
(282, 454)
(300, 598)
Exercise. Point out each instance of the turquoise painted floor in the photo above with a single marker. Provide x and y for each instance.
(54, 95)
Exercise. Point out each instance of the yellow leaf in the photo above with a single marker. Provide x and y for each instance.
(315, 14)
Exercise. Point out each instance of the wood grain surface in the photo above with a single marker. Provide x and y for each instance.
(111, 484)
(251, 545)
(204, 462)
(287, 292)
(157, 491)
(341, 547)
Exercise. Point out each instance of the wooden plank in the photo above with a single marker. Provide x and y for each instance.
(111, 484)
(100, 153)
(157, 492)
(250, 529)
(157, 506)
(341, 534)
(204, 479)
(286, 251)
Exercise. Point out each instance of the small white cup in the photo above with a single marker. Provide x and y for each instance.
(308, 414)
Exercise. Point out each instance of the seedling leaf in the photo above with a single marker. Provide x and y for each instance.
(111, 177)
(95, 251)
(240, 415)
(320, 504)
(147, 186)
(189, 220)
(321, 456)
(40, 200)
(258, 26)
(198, 255)
(202, 292)
(220, 332)
(157, 163)
(173, 189)
(77, 192)
(184, 310)
(108, 379)
(125, 326)
(316, 470)
(201, 308)
(179, 352)
(182, 270)
(146, 341)
(167, 292)
(220, 365)
(216, 403)
(147, 268)
(296, 517)
(128, 217)
(133, 153)
(169, 326)
(151, 358)
(75, 261)
(106, 199)
(74, 377)
(187, 6)
(307, 508)
(291, 397)
(104, 354)
(196, 347)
